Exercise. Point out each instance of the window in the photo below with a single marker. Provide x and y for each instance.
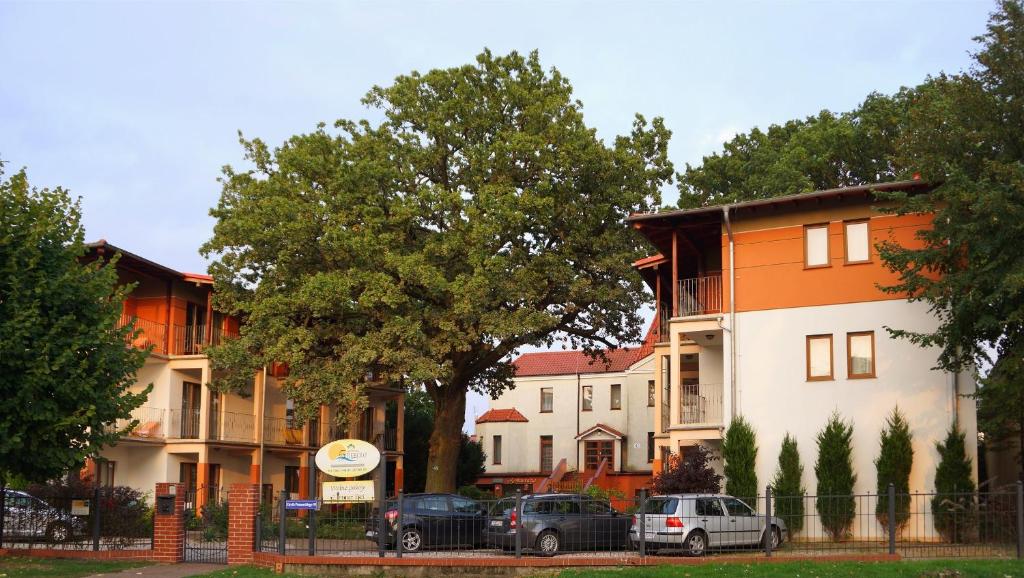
(496, 450)
(465, 506)
(650, 447)
(708, 507)
(547, 400)
(588, 398)
(598, 507)
(213, 483)
(737, 508)
(546, 454)
(105, 473)
(616, 397)
(650, 393)
(434, 503)
(819, 357)
(816, 246)
(595, 451)
(666, 506)
(860, 355)
(291, 479)
(857, 241)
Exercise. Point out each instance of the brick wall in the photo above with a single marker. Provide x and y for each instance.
(245, 503)
(169, 529)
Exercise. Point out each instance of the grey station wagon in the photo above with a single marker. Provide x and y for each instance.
(696, 523)
(553, 523)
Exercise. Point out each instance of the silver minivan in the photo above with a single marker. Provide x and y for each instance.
(696, 523)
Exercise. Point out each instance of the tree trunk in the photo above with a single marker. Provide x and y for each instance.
(450, 414)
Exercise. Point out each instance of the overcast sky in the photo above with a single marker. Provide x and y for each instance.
(136, 106)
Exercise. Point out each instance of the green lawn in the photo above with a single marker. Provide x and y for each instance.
(13, 566)
(246, 572)
(914, 569)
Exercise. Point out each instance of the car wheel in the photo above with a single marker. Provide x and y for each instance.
(412, 540)
(775, 536)
(696, 543)
(548, 543)
(58, 532)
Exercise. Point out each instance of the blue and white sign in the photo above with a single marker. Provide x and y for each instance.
(301, 504)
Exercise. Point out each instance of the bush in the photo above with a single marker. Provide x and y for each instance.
(125, 515)
(895, 459)
(471, 462)
(953, 504)
(739, 451)
(787, 486)
(474, 493)
(692, 474)
(834, 470)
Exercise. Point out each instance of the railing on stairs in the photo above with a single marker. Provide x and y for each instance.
(555, 477)
(597, 474)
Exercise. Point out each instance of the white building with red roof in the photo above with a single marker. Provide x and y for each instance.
(571, 420)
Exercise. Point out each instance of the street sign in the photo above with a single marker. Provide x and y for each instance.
(301, 505)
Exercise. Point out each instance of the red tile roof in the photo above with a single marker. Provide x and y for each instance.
(573, 361)
(501, 415)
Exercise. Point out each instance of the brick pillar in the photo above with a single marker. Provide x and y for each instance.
(169, 530)
(245, 503)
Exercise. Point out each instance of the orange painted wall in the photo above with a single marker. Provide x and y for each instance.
(770, 271)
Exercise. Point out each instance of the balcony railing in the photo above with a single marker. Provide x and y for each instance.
(279, 430)
(389, 435)
(700, 404)
(700, 295)
(183, 424)
(233, 427)
(151, 423)
(148, 333)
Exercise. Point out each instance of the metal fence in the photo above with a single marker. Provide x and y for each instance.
(103, 519)
(928, 525)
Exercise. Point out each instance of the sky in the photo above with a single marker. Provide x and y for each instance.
(136, 106)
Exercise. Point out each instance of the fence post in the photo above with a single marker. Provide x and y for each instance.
(258, 525)
(399, 530)
(96, 518)
(892, 517)
(768, 521)
(1020, 519)
(642, 525)
(3, 509)
(282, 524)
(519, 523)
(311, 514)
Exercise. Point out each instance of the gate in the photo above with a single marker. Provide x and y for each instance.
(206, 525)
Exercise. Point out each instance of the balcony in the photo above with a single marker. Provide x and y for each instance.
(231, 426)
(151, 423)
(183, 424)
(149, 333)
(700, 404)
(185, 339)
(700, 295)
(279, 430)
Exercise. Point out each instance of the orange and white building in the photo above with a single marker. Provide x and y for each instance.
(187, 432)
(772, 309)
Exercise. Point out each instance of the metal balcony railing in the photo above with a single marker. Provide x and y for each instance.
(280, 430)
(233, 427)
(148, 333)
(700, 295)
(700, 404)
(183, 424)
(151, 423)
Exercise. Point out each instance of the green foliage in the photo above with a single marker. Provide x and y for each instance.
(834, 471)
(690, 474)
(739, 451)
(893, 465)
(787, 486)
(471, 461)
(953, 504)
(474, 493)
(125, 514)
(65, 372)
(480, 215)
(419, 424)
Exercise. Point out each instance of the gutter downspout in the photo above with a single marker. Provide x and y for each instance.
(732, 312)
(576, 450)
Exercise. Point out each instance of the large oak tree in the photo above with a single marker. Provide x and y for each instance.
(477, 215)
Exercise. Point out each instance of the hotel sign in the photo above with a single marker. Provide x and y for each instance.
(348, 491)
(347, 458)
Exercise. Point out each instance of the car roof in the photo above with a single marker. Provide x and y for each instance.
(691, 496)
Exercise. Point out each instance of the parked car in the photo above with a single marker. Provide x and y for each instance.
(430, 520)
(696, 523)
(553, 523)
(29, 518)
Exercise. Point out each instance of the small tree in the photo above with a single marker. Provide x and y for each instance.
(787, 487)
(471, 461)
(954, 487)
(834, 470)
(895, 459)
(690, 474)
(739, 451)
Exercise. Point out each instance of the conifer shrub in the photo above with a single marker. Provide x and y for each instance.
(739, 451)
(953, 503)
(834, 471)
(893, 465)
(787, 489)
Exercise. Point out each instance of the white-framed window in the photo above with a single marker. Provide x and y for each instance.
(496, 450)
(650, 393)
(860, 355)
(587, 398)
(819, 357)
(615, 401)
(547, 399)
(816, 246)
(857, 241)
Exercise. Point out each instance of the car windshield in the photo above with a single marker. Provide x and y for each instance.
(665, 506)
(503, 506)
